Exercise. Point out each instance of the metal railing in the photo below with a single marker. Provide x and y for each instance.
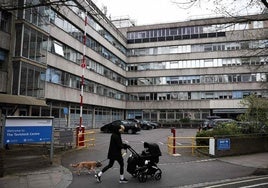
(88, 141)
(173, 143)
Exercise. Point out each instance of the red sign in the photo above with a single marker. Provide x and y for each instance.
(83, 65)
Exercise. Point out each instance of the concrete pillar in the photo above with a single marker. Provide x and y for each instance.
(212, 146)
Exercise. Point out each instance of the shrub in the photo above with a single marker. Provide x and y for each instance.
(185, 120)
(222, 129)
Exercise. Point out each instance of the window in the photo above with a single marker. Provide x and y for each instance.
(3, 56)
(163, 115)
(208, 47)
(257, 24)
(4, 21)
(237, 95)
(173, 31)
(58, 48)
(34, 45)
(31, 81)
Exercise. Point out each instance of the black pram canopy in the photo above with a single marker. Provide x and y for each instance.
(153, 149)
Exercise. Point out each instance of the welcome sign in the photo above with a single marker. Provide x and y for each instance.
(19, 130)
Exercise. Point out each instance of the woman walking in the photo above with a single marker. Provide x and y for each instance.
(115, 153)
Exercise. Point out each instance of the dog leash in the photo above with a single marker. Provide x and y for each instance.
(103, 160)
(123, 154)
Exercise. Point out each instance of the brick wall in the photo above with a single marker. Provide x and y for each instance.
(243, 145)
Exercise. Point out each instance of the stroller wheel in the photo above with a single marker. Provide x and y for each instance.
(158, 174)
(142, 177)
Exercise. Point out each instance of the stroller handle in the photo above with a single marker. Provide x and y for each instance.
(133, 151)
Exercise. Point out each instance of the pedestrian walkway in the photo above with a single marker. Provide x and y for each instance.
(58, 176)
(55, 176)
(258, 160)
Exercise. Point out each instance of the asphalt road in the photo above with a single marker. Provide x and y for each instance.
(185, 170)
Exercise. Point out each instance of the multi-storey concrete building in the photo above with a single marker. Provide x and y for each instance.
(161, 72)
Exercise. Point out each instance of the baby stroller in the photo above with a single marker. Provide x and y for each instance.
(145, 164)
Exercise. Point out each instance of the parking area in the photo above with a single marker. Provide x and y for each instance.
(186, 169)
(158, 136)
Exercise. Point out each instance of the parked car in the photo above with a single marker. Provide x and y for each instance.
(217, 122)
(207, 124)
(135, 121)
(213, 117)
(252, 127)
(146, 125)
(130, 127)
(211, 123)
(155, 124)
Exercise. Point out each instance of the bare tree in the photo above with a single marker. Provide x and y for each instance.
(229, 7)
(10, 5)
(83, 5)
(265, 3)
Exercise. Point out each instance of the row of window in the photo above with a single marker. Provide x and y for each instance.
(198, 63)
(66, 79)
(76, 57)
(41, 16)
(242, 45)
(189, 32)
(199, 79)
(90, 42)
(56, 109)
(179, 37)
(175, 115)
(59, 77)
(95, 25)
(199, 95)
(167, 115)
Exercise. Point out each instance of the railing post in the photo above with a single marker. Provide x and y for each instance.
(80, 137)
(193, 145)
(212, 146)
(173, 131)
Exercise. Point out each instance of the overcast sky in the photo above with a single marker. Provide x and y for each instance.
(162, 11)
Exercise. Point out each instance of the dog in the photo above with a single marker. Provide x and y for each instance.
(86, 165)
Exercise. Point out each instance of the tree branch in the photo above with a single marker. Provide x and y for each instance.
(11, 6)
(265, 3)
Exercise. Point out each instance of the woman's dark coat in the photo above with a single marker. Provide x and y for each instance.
(116, 145)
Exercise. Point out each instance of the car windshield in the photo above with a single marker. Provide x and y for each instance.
(124, 122)
(206, 122)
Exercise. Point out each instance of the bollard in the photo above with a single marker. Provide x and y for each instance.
(80, 136)
(173, 131)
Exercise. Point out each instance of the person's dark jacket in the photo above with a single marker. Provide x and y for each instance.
(116, 145)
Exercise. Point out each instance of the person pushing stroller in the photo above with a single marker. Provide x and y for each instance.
(114, 153)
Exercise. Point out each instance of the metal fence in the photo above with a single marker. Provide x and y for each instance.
(175, 143)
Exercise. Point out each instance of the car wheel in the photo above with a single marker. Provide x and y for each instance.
(130, 131)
